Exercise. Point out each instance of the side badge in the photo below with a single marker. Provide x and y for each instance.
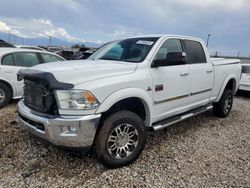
(159, 87)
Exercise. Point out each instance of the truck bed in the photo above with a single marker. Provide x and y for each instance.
(223, 70)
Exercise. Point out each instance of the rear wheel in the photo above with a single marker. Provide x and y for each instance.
(121, 139)
(223, 107)
(5, 94)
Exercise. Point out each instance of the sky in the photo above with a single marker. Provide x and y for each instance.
(228, 21)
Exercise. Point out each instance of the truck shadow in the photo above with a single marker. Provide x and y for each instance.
(243, 94)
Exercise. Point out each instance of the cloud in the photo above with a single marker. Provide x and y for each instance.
(229, 5)
(228, 21)
(36, 28)
(43, 21)
(70, 4)
(6, 29)
(60, 32)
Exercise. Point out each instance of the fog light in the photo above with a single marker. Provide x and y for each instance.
(68, 130)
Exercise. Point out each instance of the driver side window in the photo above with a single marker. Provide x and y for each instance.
(168, 48)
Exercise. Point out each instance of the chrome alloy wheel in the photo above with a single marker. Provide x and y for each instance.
(228, 103)
(2, 95)
(122, 141)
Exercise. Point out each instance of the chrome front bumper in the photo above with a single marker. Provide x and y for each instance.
(70, 131)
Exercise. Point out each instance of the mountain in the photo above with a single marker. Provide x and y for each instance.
(42, 41)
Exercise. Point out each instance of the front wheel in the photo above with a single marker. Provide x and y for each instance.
(121, 139)
(223, 107)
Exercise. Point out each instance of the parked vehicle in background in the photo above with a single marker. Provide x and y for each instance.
(54, 49)
(14, 59)
(65, 53)
(123, 89)
(30, 47)
(4, 44)
(245, 78)
(83, 53)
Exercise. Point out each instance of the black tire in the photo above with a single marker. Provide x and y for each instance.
(5, 93)
(223, 107)
(127, 121)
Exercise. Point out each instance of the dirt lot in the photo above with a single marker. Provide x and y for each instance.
(204, 151)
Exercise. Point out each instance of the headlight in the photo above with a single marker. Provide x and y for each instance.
(76, 100)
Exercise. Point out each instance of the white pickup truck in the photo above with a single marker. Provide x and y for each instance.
(125, 88)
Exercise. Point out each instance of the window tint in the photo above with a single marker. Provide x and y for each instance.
(114, 53)
(195, 52)
(8, 60)
(25, 59)
(167, 51)
(50, 58)
(246, 69)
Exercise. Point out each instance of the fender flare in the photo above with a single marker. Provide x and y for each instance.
(128, 93)
(227, 79)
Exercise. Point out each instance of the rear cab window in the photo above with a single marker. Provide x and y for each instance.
(195, 52)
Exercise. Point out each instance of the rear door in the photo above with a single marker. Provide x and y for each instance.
(201, 73)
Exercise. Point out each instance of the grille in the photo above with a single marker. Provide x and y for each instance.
(38, 98)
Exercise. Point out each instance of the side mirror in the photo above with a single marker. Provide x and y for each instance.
(173, 58)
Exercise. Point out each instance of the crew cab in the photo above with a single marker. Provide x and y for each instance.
(125, 88)
(11, 61)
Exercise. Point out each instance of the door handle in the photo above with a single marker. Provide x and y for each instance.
(209, 71)
(184, 74)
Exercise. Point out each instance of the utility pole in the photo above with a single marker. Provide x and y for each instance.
(9, 36)
(14, 39)
(216, 54)
(208, 37)
(50, 38)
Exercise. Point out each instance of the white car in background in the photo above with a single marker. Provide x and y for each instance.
(11, 61)
(245, 78)
(30, 47)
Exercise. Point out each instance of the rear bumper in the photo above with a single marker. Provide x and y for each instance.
(69, 132)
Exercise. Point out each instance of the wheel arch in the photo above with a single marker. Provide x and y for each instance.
(229, 83)
(127, 97)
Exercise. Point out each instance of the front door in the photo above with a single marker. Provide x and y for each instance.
(170, 83)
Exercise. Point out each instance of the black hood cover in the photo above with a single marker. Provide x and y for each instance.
(45, 78)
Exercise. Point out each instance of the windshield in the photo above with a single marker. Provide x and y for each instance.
(130, 50)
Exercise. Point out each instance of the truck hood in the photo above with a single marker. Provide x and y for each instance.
(80, 71)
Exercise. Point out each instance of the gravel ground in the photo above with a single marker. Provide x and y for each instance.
(204, 151)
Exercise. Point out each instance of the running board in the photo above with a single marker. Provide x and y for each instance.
(167, 122)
